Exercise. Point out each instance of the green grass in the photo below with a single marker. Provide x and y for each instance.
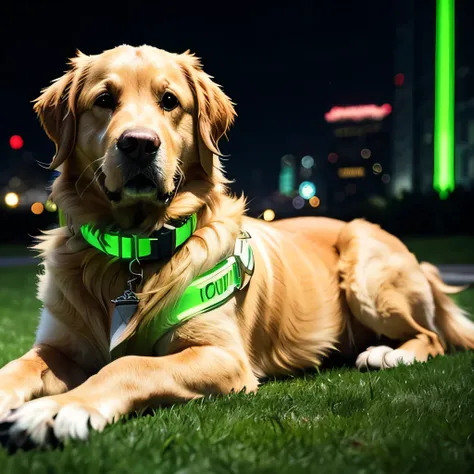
(407, 420)
(438, 250)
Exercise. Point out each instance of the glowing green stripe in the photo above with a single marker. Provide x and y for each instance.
(443, 175)
(144, 247)
(183, 232)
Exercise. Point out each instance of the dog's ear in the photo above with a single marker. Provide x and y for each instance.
(215, 111)
(56, 109)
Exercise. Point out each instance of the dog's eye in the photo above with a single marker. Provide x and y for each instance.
(169, 102)
(105, 101)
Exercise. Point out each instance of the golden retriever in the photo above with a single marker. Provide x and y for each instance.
(136, 133)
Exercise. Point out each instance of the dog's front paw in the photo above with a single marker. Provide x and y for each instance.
(46, 423)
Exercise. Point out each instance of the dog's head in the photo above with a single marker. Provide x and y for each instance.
(137, 125)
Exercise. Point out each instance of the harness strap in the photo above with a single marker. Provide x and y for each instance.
(208, 291)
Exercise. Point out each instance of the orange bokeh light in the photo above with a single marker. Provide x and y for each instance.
(37, 208)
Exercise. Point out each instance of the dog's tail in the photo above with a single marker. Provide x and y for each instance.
(452, 321)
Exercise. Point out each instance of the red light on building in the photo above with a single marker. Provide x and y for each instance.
(16, 142)
(357, 113)
(399, 79)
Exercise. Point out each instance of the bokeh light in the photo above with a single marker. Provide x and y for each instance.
(386, 178)
(399, 79)
(50, 206)
(333, 157)
(365, 153)
(314, 201)
(307, 189)
(16, 142)
(298, 202)
(377, 168)
(37, 208)
(12, 199)
(307, 162)
(269, 215)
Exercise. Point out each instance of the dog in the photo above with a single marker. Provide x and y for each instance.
(224, 301)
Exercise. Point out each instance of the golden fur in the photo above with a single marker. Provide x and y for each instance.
(320, 285)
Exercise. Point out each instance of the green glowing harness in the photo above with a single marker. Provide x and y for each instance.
(207, 292)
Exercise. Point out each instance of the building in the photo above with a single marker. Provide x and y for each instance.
(403, 102)
(414, 105)
(359, 152)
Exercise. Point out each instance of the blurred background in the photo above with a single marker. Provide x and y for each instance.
(336, 103)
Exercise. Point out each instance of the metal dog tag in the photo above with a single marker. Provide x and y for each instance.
(125, 307)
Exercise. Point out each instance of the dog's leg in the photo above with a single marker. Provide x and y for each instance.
(129, 384)
(388, 293)
(396, 322)
(43, 370)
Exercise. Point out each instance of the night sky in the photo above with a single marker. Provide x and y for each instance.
(284, 66)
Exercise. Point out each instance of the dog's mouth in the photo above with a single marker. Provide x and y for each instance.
(140, 188)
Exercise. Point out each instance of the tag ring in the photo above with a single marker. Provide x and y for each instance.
(137, 276)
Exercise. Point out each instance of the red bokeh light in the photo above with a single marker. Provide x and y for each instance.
(16, 142)
(332, 157)
(399, 79)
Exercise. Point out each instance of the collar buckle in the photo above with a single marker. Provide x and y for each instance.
(158, 247)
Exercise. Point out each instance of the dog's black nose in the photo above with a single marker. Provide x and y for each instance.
(140, 145)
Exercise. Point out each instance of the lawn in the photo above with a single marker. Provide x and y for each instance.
(410, 419)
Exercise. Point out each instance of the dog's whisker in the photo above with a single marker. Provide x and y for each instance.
(182, 177)
(95, 178)
(76, 184)
(87, 167)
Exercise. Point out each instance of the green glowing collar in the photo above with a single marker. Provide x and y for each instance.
(207, 292)
(161, 245)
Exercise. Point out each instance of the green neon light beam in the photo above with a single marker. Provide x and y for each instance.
(443, 176)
